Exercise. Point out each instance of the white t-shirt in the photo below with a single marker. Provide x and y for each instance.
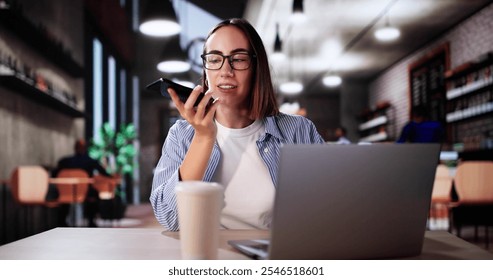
(249, 191)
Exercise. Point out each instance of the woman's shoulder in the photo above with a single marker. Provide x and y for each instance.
(288, 125)
(291, 119)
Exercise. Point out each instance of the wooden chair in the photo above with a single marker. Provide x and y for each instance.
(106, 186)
(29, 186)
(72, 185)
(72, 192)
(474, 186)
(441, 195)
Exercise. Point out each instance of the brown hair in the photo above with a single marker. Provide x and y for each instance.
(262, 101)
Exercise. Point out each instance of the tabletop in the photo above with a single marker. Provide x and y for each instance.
(70, 180)
(152, 244)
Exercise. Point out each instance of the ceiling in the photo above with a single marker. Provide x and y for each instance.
(337, 35)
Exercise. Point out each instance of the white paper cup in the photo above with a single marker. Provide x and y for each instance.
(199, 208)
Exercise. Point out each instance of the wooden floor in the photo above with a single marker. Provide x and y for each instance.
(467, 233)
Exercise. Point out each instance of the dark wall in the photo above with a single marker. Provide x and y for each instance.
(34, 132)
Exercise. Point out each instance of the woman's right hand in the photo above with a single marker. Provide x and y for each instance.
(201, 117)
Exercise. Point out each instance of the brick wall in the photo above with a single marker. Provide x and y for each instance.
(468, 41)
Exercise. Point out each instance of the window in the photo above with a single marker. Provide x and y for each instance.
(97, 87)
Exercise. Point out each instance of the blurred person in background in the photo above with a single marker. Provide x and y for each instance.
(81, 160)
(420, 129)
(340, 133)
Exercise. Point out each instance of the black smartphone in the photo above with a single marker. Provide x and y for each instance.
(162, 85)
(256, 249)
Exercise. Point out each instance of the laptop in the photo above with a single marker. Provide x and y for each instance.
(349, 202)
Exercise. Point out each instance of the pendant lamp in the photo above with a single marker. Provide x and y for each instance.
(332, 80)
(387, 32)
(278, 54)
(298, 14)
(159, 19)
(173, 59)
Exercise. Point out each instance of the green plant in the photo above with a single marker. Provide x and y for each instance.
(114, 149)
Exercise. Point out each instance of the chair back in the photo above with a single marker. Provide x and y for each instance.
(105, 186)
(442, 186)
(474, 182)
(76, 192)
(29, 184)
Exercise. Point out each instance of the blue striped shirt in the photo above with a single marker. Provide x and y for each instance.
(281, 129)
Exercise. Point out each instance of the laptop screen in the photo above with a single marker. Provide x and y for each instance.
(352, 201)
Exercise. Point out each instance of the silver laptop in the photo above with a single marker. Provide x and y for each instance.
(349, 202)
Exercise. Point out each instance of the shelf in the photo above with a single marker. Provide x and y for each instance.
(381, 107)
(37, 38)
(470, 99)
(469, 67)
(26, 88)
(470, 112)
(373, 123)
(470, 88)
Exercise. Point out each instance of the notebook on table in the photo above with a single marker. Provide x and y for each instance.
(349, 202)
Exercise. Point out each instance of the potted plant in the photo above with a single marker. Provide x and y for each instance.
(115, 151)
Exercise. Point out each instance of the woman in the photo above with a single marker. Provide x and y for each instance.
(234, 134)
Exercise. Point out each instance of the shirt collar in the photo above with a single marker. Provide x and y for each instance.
(272, 128)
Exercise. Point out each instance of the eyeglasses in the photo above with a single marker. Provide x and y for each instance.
(237, 61)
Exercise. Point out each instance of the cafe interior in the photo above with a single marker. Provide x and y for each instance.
(78, 69)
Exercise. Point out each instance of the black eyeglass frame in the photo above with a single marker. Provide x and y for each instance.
(230, 61)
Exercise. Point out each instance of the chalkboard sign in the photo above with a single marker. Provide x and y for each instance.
(427, 84)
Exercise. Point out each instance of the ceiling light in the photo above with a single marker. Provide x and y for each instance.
(160, 28)
(332, 81)
(291, 88)
(173, 58)
(159, 19)
(4, 5)
(298, 14)
(278, 54)
(289, 108)
(387, 33)
(173, 66)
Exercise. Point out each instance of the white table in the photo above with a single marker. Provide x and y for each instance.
(99, 243)
(149, 244)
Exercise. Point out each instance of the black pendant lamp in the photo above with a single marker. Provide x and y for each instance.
(173, 59)
(159, 19)
(278, 42)
(298, 14)
(297, 6)
(278, 54)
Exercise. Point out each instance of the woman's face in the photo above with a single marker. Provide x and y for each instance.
(230, 85)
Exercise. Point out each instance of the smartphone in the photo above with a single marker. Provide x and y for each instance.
(256, 249)
(163, 84)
